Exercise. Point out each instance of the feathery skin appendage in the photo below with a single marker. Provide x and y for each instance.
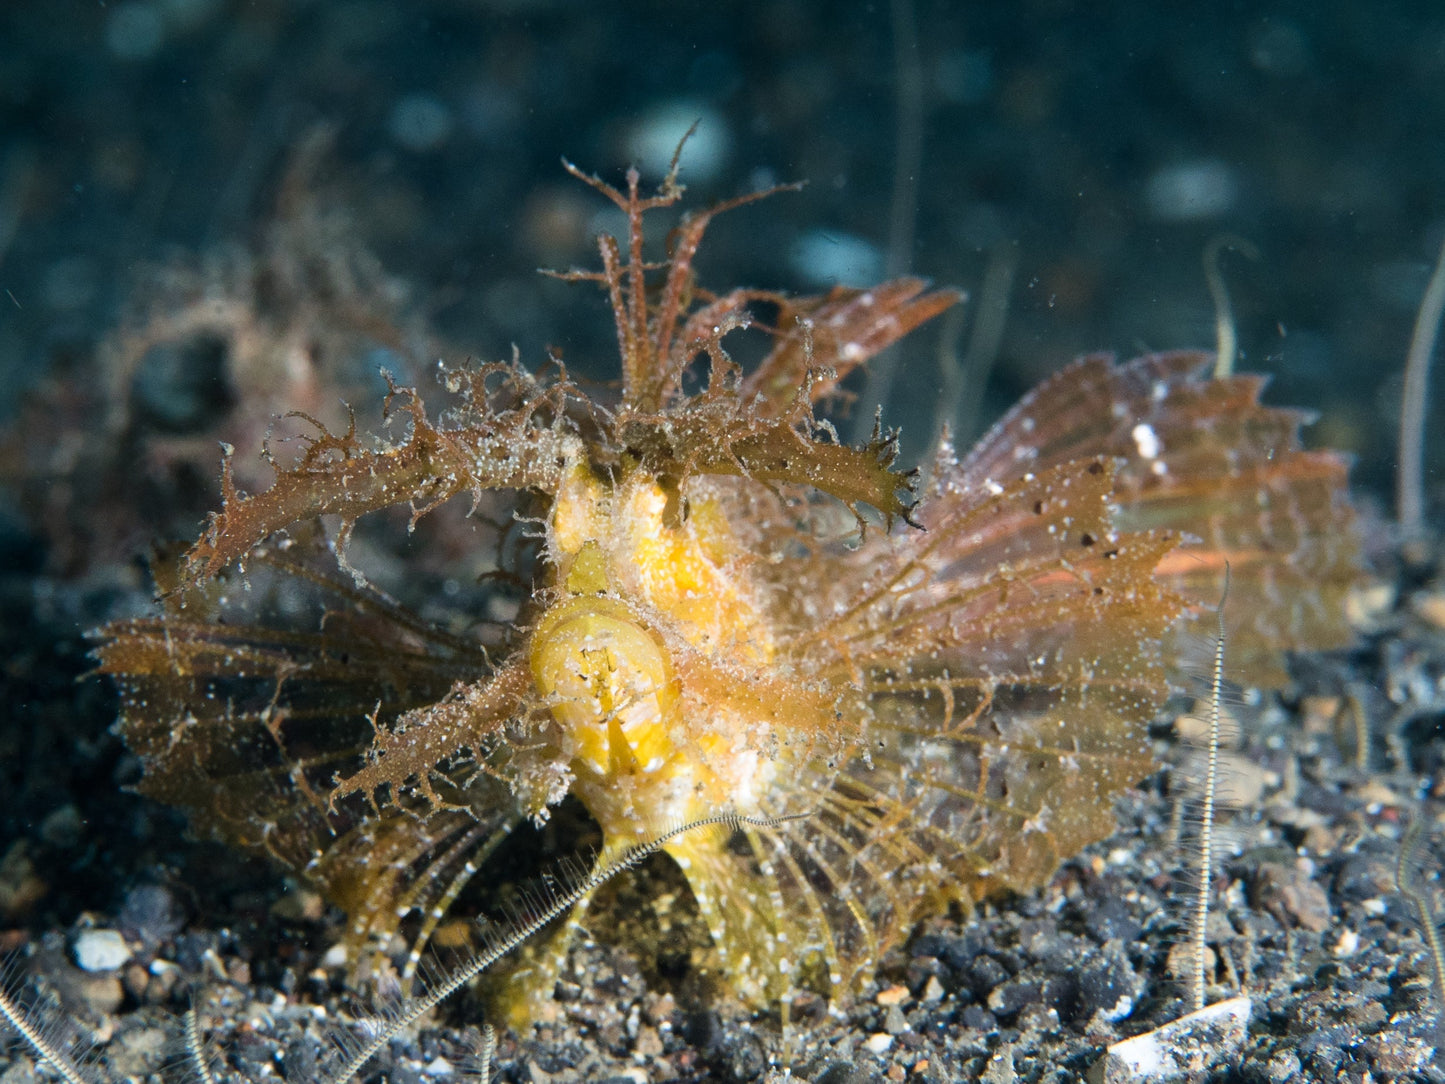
(484, 446)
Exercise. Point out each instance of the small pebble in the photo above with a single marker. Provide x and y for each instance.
(103, 993)
(879, 1043)
(300, 905)
(1375, 794)
(101, 950)
(1288, 893)
(1009, 998)
(648, 1044)
(894, 1022)
(832, 257)
(420, 122)
(1430, 606)
(892, 995)
(1191, 191)
(63, 827)
(1318, 713)
(1366, 607)
(654, 138)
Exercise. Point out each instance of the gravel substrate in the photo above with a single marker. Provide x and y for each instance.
(1308, 920)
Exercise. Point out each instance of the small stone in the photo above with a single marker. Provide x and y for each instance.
(1191, 191)
(1367, 1015)
(1319, 839)
(1000, 1068)
(932, 990)
(1037, 1017)
(300, 905)
(1318, 714)
(1430, 606)
(984, 974)
(135, 979)
(137, 1054)
(1374, 793)
(101, 950)
(892, 995)
(979, 1019)
(658, 1009)
(1194, 726)
(879, 1043)
(1288, 893)
(1366, 607)
(649, 1042)
(1107, 987)
(103, 993)
(653, 139)
(1110, 919)
(1241, 781)
(894, 1022)
(63, 827)
(1283, 1067)
(832, 257)
(1396, 1057)
(1348, 943)
(1009, 998)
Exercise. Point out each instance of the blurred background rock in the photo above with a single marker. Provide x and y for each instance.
(1091, 149)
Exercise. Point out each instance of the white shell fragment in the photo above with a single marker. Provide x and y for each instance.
(101, 950)
(1188, 1045)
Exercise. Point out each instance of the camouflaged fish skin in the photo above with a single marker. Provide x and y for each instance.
(732, 609)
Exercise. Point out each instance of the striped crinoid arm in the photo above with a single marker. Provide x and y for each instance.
(1203, 458)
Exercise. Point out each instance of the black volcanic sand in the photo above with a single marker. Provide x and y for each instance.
(1307, 921)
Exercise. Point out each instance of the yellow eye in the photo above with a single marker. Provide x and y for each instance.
(610, 684)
